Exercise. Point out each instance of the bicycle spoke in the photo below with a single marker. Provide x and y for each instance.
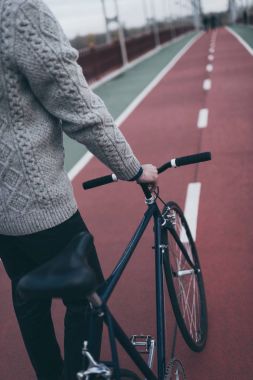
(185, 282)
(186, 307)
(190, 312)
(190, 307)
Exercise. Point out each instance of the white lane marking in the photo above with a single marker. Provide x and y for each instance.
(79, 165)
(191, 209)
(212, 50)
(207, 84)
(210, 57)
(84, 160)
(244, 43)
(203, 118)
(209, 68)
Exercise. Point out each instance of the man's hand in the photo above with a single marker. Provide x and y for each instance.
(149, 175)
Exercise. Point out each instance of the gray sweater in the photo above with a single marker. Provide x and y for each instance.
(43, 93)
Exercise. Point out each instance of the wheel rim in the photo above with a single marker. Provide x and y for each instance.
(186, 284)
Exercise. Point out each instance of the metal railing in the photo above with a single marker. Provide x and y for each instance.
(100, 60)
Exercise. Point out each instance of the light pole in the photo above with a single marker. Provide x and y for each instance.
(121, 36)
(108, 34)
(116, 19)
(155, 25)
(196, 8)
(232, 11)
(145, 11)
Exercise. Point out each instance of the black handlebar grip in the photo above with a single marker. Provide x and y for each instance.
(193, 159)
(99, 181)
(164, 167)
(187, 160)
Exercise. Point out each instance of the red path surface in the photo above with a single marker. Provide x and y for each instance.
(164, 126)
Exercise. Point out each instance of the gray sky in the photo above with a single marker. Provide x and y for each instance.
(86, 16)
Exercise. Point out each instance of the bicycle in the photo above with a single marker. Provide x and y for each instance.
(176, 264)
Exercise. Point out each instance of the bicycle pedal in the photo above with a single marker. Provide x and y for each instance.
(145, 344)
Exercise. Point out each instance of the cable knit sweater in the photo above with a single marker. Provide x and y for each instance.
(43, 93)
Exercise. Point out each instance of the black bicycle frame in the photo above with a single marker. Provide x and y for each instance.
(110, 284)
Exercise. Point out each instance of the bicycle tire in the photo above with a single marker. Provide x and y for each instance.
(189, 307)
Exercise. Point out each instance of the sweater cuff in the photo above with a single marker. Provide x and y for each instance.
(137, 176)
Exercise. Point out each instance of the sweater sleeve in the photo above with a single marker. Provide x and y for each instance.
(49, 63)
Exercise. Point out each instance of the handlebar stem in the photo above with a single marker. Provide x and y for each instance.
(149, 198)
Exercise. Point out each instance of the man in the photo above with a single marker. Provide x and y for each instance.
(42, 94)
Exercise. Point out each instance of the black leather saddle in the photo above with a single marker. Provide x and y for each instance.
(66, 275)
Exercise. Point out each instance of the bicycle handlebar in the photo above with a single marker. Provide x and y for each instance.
(186, 160)
(174, 163)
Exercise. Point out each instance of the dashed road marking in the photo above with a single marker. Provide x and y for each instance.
(207, 84)
(203, 118)
(191, 209)
(209, 68)
(210, 57)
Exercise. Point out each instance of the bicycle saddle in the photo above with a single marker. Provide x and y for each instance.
(66, 275)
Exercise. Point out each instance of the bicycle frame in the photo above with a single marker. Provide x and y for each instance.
(161, 246)
(110, 284)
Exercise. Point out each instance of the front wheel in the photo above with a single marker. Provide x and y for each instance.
(184, 278)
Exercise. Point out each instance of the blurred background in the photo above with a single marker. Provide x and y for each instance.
(111, 33)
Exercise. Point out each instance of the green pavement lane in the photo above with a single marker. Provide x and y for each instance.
(119, 92)
(245, 32)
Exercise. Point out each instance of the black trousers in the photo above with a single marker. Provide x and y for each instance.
(21, 254)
